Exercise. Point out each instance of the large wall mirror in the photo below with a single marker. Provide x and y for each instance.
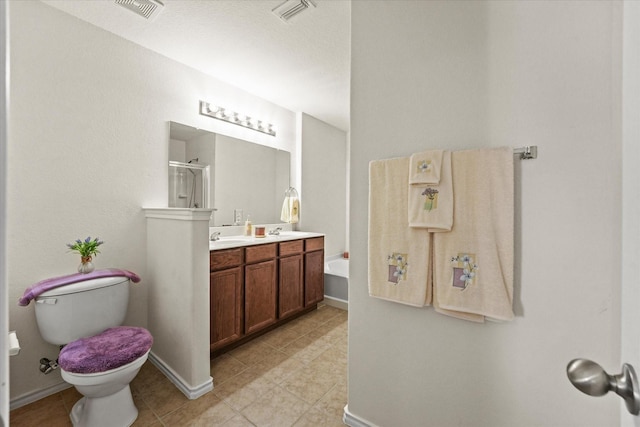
(245, 178)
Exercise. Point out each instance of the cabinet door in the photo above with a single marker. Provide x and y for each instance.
(313, 277)
(225, 306)
(290, 298)
(260, 296)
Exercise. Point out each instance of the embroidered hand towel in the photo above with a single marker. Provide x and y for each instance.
(473, 264)
(398, 254)
(431, 206)
(425, 167)
(295, 211)
(290, 210)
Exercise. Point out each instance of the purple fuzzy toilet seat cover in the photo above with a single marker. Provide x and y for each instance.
(108, 350)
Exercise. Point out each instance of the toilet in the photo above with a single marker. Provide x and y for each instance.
(100, 357)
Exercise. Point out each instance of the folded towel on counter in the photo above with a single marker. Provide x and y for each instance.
(45, 285)
(398, 255)
(290, 210)
(473, 264)
(431, 205)
(425, 167)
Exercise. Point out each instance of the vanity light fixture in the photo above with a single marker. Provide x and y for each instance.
(220, 113)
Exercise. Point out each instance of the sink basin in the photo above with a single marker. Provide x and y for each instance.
(237, 241)
(229, 242)
(294, 234)
(223, 240)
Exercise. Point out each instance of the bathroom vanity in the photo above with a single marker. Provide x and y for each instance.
(259, 284)
(205, 298)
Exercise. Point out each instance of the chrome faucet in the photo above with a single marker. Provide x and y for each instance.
(275, 231)
(214, 236)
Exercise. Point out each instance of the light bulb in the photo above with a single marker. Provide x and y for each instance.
(212, 109)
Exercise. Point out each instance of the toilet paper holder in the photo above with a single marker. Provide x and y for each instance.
(14, 344)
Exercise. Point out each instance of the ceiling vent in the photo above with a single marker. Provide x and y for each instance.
(291, 8)
(148, 9)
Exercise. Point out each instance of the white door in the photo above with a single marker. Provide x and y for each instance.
(4, 305)
(630, 322)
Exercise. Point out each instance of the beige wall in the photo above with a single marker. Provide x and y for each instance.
(87, 150)
(473, 74)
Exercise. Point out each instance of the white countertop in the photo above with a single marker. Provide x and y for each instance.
(239, 241)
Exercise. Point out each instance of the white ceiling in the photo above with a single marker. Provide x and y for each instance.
(301, 65)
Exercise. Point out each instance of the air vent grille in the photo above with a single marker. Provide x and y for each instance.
(148, 9)
(291, 8)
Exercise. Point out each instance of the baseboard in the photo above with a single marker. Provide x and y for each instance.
(25, 399)
(191, 392)
(353, 421)
(336, 302)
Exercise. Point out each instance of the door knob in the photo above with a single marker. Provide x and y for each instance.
(591, 379)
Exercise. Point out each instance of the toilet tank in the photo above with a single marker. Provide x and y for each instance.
(82, 309)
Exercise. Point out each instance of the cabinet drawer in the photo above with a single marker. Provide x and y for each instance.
(291, 248)
(260, 252)
(219, 260)
(314, 244)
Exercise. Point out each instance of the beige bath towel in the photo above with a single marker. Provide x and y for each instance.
(473, 264)
(398, 254)
(431, 205)
(290, 210)
(434, 298)
(425, 167)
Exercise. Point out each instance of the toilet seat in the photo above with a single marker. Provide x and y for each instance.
(111, 349)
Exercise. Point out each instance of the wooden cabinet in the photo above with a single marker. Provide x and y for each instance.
(260, 296)
(256, 288)
(313, 271)
(291, 282)
(226, 306)
(226, 297)
(260, 287)
(259, 253)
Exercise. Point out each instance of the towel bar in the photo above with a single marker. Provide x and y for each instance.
(528, 152)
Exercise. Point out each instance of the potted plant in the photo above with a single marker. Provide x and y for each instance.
(87, 249)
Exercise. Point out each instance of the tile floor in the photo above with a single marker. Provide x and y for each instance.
(295, 375)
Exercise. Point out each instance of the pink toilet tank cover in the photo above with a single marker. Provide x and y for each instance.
(108, 350)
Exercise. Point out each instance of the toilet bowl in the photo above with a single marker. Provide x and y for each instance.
(102, 393)
(101, 367)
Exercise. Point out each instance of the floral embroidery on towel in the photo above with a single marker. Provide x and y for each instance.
(398, 264)
(424, 166)
(464, 270)
(431, 199)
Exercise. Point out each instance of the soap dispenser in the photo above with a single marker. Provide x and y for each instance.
(248, 227)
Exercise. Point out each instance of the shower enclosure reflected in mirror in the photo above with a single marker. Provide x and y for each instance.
(245, 176)
(188, 184)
